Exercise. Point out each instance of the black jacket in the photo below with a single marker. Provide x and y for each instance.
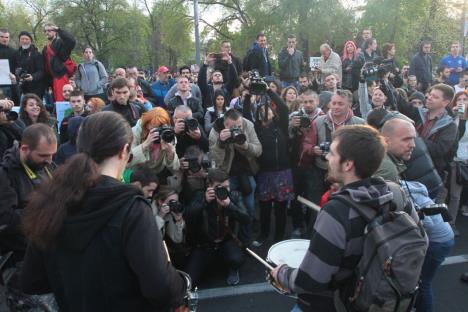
(256, 60)
(184, 141)
(8, 53)
(131, 112)
(421, 168)
(9, 133)
(274, 138)
(202, 218)
(421, 67)
(62, 46)
(31, 61)
(15, 188)
(192, 102)
(109, 256)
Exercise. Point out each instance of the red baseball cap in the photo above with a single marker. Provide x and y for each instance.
(163, 69)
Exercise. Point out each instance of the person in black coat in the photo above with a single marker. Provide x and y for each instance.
(93, 240)
(29, 66)
(274, 180)
(7, 53)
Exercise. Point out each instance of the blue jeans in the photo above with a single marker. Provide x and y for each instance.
(246, 230)
(436, 254)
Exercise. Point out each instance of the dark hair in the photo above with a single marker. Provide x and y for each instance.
(278, 86)
(387, 47)
(184, 67)
(217, 93)
(447, 91)
(291, 36)
(363, 145)
(4, 30)
(142, 173)
(368, 42)
(102, 135)
(345, 94)
(88, 47)
(43, 115)
(164, 192)
(260, 34)
(233, 114)
(119, 83)
(216, 176)
(77, 93)
(304, 75)
(33, 134)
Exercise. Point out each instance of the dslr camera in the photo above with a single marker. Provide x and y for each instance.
(304, 120)
(257, 83)
(175, 206)
(21, 73)
(10, 115)
(325, 147)
(166, 133)
(221, 192)
(191, 124)
(377, 67)
(237, 136)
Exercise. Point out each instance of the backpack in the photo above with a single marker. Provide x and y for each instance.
(394, 246)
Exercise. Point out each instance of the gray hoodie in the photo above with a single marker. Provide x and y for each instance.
(91, 77)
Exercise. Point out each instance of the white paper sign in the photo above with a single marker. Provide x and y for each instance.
(5, 72)
(314, 62)
(63, 109)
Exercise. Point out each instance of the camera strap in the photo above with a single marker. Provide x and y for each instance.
(33, 176)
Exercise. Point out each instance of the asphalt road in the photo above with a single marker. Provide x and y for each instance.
(254, 294)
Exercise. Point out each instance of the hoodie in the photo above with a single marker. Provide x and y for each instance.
(108, 256)
(335, 246)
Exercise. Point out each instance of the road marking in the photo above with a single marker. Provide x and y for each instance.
(455, 259)
(254, 288)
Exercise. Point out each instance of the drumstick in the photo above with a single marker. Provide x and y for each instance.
(308, 203)
(167, 251)
(253, 254)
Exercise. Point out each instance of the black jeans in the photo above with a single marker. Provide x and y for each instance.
(280, 218)
(203, 258)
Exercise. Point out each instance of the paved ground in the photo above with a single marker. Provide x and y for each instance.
(254, 294)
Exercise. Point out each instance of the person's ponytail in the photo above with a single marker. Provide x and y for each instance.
(56, 198)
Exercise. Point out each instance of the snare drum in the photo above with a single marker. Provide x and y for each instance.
(290, 252)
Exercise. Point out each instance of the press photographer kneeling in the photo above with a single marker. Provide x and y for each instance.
(216, 211)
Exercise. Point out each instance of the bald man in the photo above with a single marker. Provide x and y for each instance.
(400, 137)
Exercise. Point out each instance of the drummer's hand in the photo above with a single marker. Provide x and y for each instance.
(274, 273)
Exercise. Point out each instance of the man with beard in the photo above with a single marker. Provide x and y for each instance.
(58, 65)
(29, 66)
(22, 169)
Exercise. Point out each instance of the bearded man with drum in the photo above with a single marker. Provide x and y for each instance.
(336, 243)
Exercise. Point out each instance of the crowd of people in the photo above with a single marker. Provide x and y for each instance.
(200, 159)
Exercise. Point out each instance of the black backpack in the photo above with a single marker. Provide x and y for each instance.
(388, 273)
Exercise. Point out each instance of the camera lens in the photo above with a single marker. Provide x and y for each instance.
(221, 192)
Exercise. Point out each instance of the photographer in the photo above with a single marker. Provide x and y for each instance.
(29, 67)
(183, 97)
(274, 179)
(215, 212)
(217, 82)
(194, 164)
(234, 147)
(153, 143)
(187, 130)
(11, 127)
(169, 218)
(303, 132)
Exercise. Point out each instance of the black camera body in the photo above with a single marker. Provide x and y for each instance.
(257, 83)
(175, 206)
(221, 192)
(166, 134)
(237, 136)
(435, 209)
(191, 124)
(378, 67)
(21, 73)
(325, 147)
(304, 120)
(10, 115)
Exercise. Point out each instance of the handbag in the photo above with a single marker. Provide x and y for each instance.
(461, 172)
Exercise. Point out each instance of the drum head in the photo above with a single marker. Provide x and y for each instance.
(290, 252)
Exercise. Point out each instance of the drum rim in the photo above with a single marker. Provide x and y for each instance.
(282, 242)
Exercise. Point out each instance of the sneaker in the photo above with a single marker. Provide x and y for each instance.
(464, 210)
(296, 233)
(233, 277)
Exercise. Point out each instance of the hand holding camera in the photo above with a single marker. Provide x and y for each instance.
(210, 195)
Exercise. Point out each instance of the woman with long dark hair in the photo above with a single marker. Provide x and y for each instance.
(33, 111)
(274, 180)
(93, 240)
